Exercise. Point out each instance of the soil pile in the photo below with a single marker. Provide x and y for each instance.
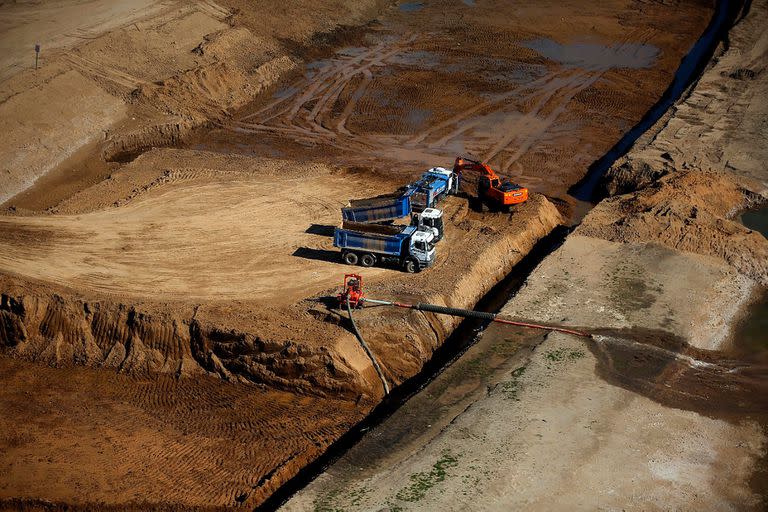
(687, 211)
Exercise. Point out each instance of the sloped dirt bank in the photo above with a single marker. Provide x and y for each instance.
(689, 211)
(154, 309)
(112, 331)
(718, 126)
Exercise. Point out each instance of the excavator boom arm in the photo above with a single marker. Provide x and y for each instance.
(463, 164)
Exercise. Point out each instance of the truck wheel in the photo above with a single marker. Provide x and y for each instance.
(367, 260)
(410, 266)
(350, 258)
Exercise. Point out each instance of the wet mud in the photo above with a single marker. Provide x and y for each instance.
(756, 219)
(728, 385)
(591, 186)
(418, 89)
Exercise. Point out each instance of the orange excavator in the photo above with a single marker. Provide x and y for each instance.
(494, 190)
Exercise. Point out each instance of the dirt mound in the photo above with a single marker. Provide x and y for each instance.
(686, 211)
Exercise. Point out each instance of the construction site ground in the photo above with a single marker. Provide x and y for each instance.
(170, 185)
(665, 407)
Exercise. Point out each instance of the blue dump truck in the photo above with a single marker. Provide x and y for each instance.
(417, 201)
(385, 210)
(431, 187)
(411, 248)
(377, 209)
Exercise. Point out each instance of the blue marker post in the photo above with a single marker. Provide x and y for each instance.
(37, 54)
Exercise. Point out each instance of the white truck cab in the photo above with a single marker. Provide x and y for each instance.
(451, 177)
(422, 248)
(432, 219)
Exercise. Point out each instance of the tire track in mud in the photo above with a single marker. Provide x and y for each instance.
(316, 109)
(556, 98)
(307, 113)
(100, 71)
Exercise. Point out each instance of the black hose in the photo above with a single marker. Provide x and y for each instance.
(367, 349)
(466, 313)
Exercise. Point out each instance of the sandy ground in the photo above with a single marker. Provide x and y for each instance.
(144, 73)
(151, 246)
(60, 24)
(717, 125)
(590, 419)
(144, 278)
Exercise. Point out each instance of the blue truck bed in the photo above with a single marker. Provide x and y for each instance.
(391, 245)
(428, 189)
(380, 209)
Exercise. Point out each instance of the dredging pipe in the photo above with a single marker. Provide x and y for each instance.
(469, 313)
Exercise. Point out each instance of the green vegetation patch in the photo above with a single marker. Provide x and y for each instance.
(329, 502)
(511, 388)
(563, 354)
(422, 482)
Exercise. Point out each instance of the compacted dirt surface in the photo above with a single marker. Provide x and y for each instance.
(172, 174)
(664, 406)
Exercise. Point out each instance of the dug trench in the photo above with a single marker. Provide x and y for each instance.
(275, 357)
(199, 361)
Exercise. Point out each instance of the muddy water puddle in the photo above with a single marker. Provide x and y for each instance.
(728, 385)
(756, 220)
(691, 65)
(596, 56)
(750, 335)
(411, 6)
